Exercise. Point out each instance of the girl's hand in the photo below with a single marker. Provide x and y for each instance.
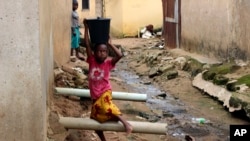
(109, 41)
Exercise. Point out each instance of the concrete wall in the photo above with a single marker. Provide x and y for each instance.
(114, 11)
(87, 13)
(99, 8)
(130, 15)
(28, 40)
(127, 16)
(61, 13)
(46, 59)
(215, 28)
(242, 28)
(139, 13)
(25, 57)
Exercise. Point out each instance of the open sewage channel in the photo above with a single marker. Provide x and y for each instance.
(173, 111)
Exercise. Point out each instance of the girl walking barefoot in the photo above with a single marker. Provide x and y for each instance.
(100, 65)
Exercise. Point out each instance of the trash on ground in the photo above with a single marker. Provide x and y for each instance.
(147, 32)
(200, 120)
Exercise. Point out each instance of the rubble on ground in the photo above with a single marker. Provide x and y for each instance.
(163, 65)
(72, 76)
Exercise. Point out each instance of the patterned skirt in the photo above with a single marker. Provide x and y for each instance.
(104, 109)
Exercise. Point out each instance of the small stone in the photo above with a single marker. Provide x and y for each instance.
(166, 67)
(73, 58)
(163, 95)
(58, 73)
(231, 85)
(153, 72)
(171, 74)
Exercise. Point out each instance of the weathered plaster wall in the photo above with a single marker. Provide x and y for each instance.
(242, 29)
(140, 13)
(114, 11)
(87, 13)
(26, 58)
(61, 17)
(46, 56)
(127, 16)
(130, 15)
(99, 8)
(25, 54)
(215, 27)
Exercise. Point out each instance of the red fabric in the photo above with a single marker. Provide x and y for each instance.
(99, 76)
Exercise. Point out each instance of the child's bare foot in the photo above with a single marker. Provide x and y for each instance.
(129, 128)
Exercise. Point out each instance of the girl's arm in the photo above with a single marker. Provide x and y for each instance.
(86, 38)
(117, 52)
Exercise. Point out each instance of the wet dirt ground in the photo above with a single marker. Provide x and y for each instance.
(182, 102)
(178, 104)
(172, 109)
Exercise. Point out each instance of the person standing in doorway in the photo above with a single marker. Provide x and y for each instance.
(75, 32)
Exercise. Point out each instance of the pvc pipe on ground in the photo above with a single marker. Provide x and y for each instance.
(115, 95)
(90, 124)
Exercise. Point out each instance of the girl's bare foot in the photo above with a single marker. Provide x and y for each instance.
(129, 128)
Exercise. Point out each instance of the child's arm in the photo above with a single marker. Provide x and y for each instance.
(86, 38)
(117, 52)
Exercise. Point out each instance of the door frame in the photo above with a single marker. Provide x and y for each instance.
(172, 23)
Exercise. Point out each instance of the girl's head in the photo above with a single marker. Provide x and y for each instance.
(75, 5)
(100, 52)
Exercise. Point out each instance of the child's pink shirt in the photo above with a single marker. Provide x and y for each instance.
(99, 76)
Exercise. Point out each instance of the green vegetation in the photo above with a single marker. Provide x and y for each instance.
(244, 80)
(220, 80)
(208, 75)
(216, 74)
(224, 68)
(193, 66)
(236, 102)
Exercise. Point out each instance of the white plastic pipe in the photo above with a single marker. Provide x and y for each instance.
(115, 95)
(90, 124)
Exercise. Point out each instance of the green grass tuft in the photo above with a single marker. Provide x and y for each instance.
(244, 80)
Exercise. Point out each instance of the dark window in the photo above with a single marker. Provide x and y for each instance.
(85, 4)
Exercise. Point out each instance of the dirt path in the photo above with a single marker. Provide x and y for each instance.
(194, 103)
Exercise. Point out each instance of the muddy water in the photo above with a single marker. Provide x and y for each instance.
(174, 112)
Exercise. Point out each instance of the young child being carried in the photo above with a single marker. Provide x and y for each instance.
(100, 65)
